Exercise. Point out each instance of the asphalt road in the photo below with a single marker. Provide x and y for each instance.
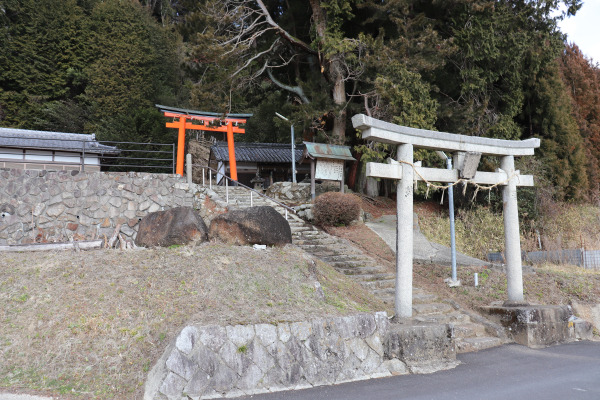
(569, 371)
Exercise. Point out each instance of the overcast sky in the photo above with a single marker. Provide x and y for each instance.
(584, 29)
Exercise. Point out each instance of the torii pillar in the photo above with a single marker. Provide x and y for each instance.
(404, 172)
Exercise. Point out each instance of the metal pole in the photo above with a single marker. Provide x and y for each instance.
(188, 168)
(83, 157)
(227, 190)
(173, 147)
(293, 157)
(203, 172)
(251, 193)
(293, 147)
(452, 232)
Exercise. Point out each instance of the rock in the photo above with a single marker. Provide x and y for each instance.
(180, 225)
(254, 225)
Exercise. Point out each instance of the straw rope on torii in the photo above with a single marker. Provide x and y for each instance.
(464, 181)
(405, 172)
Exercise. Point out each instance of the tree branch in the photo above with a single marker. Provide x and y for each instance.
(294, 89)
(282, 32)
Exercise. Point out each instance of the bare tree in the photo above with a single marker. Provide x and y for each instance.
(247, 32)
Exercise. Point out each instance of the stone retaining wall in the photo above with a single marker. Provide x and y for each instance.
(54, 206)
(214, 361)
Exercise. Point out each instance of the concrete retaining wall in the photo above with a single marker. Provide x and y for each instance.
(214, 361)
(56, 206)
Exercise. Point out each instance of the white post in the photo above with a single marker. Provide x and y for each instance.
(251, 193)
(227, 190)
(404, 235)
(203, 171)
(188, 169)
(512, 240)
(210, 179)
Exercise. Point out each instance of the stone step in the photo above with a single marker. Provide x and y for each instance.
(422, 298)
(469, 330)
(379, 284)
(349, 264)
(301, 228)
(324, 253)
(431, 308)
(455, 317)
(377, 277)
(359, 270)
(346, 257)
(313, 248)
(314, 241)
(315, 235)
(468, 345)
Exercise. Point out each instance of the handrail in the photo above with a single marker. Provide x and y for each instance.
(236, 183)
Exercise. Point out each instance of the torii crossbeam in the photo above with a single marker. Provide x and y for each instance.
(228, 123)
(404, 172)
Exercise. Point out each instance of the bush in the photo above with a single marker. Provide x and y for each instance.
(334, 208)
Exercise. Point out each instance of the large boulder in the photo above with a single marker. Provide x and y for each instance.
(180, 225)
(254, 225)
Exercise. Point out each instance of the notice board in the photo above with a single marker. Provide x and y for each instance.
(331, 170)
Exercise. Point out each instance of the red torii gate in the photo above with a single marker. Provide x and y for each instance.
(185, 121)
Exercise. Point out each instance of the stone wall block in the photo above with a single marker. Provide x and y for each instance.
(181, 365)
(301, 330)
(266, 333)
(350, 370)
(33, 190)
(154, 207)
(55, 210)
(144, 205)
(197, 385)
(187, 339)
(113, 212)
(24, 209)
(172, 386)
(115, 201)
(132, 214)
(38, 209)
(69, 202)
(359, 348)
(130, 196)
(240, 335)
(213, 337)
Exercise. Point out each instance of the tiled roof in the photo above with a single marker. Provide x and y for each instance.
(258, 152)
(44, 140)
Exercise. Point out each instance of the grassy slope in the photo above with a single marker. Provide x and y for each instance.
(91, 324)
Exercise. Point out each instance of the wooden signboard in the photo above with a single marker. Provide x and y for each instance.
(332, 170)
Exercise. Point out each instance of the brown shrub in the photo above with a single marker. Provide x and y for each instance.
(335, 208)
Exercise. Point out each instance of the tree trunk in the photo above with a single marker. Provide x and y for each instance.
(332, 68)
(339, 99)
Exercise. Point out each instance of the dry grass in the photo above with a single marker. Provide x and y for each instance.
(91, 324)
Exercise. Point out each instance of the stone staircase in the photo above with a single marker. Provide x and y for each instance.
(472, 332)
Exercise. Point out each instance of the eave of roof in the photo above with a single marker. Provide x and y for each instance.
(258, 152)
(330, 151)
(45, 140)
(199, 113)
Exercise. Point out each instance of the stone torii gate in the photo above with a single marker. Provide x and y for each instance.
(463, 148)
